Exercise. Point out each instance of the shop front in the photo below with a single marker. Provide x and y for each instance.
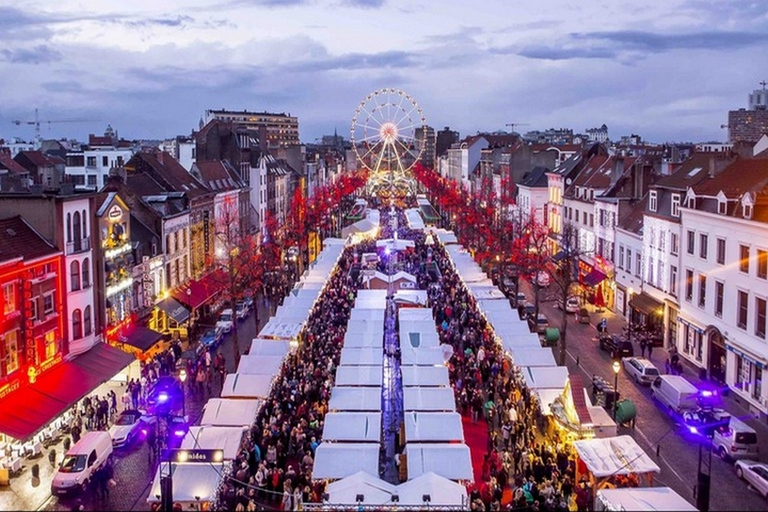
(596, 279)
(170, 317)
(647, 315)
(746, 373)
(203, 296)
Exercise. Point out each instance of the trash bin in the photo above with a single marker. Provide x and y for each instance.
(625, 411)
(5, 477)
(551, 336)
(35, 470)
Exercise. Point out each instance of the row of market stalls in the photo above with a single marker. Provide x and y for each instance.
(226, 421)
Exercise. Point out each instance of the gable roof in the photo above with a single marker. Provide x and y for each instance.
(217, 175)
(632, 220)
(168, 173)
(537, 178)
(743, 175)
(19, 240)
(693, 171)
(9, 164)
(36, 158)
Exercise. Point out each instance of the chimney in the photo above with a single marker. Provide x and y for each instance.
(161, 157)
(618, 167)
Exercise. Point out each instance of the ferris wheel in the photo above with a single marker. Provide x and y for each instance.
(388, 131)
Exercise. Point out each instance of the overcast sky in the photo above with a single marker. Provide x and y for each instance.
(668, 70)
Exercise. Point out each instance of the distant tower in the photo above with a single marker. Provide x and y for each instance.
(758, 99)
(749, 125)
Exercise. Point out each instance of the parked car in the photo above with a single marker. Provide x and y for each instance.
(81, 462)
(518, 299)
(542, 278)
(508, 287)
(241, 310)
(211, 337)
(675, 393)
(178, 426)
(248, 299)
(755, 473)
(226, 321)
(539, 324)
(525, 309)
(704, 421)
(616, 346)
(127, 427)
(572, 304)
(165, 397)
(640, 369)
(737, 441)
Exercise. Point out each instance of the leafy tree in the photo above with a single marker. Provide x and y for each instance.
(565, 277)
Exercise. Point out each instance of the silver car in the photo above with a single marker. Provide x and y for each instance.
(755, 473)
(640, 369)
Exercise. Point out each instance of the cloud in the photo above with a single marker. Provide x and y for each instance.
(655, 43)
(357, 61)
(40, 54)
(365, 4)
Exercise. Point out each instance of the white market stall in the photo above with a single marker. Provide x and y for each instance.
(545, 377)
(425, 376)
(414, 338)
(339, 460)
(445, 237)
(357, 356)
(610, 457)
(374, 315)
(277, 329)
(246, 385)
(512, 342)
(641, 499)
(449, 460)
(442, 492)
(260, 365)
(487, 292)
(535, 357)
(229, 412)
(365, 326)
(416, 298)
(429, 356)
(359, 376)
(194, 483)
(267, 347)
(343, 493)
(361, 427)
(428, 399)
(443, 427)
(227, 439)
(371, 339)
(352, 398)
(414, 219)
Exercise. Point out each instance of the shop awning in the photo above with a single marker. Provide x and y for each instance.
(173, 309)
(594, 278)
(140, 337)
(645, 303)
(196, 293)
(26, 411)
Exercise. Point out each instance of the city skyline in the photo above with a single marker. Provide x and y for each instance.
(668, 72)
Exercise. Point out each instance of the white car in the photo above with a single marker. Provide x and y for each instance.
(127, 427)
(225, 322)
(241, 309)
(542, 279)
(755, 473)
(571, 304)
(640, 369)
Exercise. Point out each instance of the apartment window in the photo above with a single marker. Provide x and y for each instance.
(747, 211)
(703, 239)
(720, 251)
(621, 256)
(584, 218)
(48, 304)
(638, 264)
(653, 201)
(9, 298)
(722, 207)
(32, 308)
(91, 161)
(628, 266)
(675, 205)
(743, 309)
(87, 323)
(86, 270)
(702, 290)
(602, 217)
(674, 242)
(760, 317)
(744, 258)
(689, 285)
(51, 345)
(591, 220)
(77, 324)
(762, 263)
(673, 280)
(719, 298)
(650, 271)
(691, 241)
(74, 275)
(11, 352)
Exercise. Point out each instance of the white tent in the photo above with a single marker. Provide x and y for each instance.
(428, 399)
(366, 356)
(419, 315)
(349, 398)
(641, 499)
(422, 356)
(510, 325)
(487, 293)
(191, 480)
(419, 337)
(546, 397)
(367, 295)
(361, 427)
(267, 347)
(339, 460)
(228, 412)
(365, 339)
(364, 325)
(260, 365)
(425, 375)
(609, 456)
(449, 460)
(375, 315)
(446, 237)
(415, 221)
(359, 376)
(373, 302)
(228, 439)
(395, 245)
(512, 342)
(442, 492)
(546, 377)
(279, 330)
(433, 426)
(365, 228)
(375, 491)
(533, 356)
(246, 385)
(496, 306)
(411, 297)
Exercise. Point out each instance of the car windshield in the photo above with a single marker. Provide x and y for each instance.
(210, 333)
(543, 321)
(746, 438)
(225, 317)
(651, 371)
(73, 464)
(126, 419)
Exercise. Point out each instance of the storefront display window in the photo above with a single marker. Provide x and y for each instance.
(51, 345)
(11, 352)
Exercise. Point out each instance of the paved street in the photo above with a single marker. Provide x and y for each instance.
(133, 471)
(678, 456)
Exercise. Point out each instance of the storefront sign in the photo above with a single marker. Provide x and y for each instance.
(10, 387)
(197, 455)
(46, 365)
(115, 212)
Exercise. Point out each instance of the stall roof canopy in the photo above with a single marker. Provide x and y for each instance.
(140, 337)
(414, 218)
(425, 375)
(428, 399)
(230, 412)
(644, 498)
(245, 385)
(442, 491)
(433, 426)
(267, 347)
(25, 411)
(411, 297)
(195, 293)
(260, 365)
(191, 480)
(375, 491)
(546, 377)
(533, 357)
(366, 356)
(364, 339)
(375, 315)
(449, 460)
(174, 309)
(359, 375)
(609, 456)
(422, 356)
(339, 460)
(446, 237)
(227, 439)
(277, 328)
(349, 398)
(361, 427)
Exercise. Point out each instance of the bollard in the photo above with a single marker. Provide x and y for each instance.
(35, 470)
(658, 448)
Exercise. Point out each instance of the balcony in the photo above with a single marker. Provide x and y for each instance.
(80, 245)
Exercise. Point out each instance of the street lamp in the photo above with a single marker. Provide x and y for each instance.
(616, 370)
(183, 379)
(630, 291)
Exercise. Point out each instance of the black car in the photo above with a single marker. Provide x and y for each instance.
(508, 287)
(165, 397)
(616, 346)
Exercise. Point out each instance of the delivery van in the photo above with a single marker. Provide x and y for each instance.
(736, 441)
(675, 393)
(81, 462)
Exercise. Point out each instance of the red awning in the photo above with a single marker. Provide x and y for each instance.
(196, 293)
(579, 400)
(25, 412)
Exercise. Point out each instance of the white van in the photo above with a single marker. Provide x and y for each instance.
(674, 392)
(80, 463)
(736, 441)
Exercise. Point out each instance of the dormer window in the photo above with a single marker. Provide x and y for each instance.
(747, 208)
(591, 194)
(722, 207)
(747, 211)
(653, 201)
(675, 205)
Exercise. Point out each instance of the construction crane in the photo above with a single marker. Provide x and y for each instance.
(512, 125)
(37, 122)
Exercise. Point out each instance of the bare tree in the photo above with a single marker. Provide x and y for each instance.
(530, 252)
(565, 275)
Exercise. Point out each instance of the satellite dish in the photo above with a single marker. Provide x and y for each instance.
(568, 181)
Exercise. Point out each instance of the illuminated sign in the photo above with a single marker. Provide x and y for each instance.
(114, 253)
(197, 455)
(10, 387)
(119, 287)
(115, 212)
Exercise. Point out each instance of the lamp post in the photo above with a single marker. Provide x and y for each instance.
(183, 379)
(616, 370)
(630, 291)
